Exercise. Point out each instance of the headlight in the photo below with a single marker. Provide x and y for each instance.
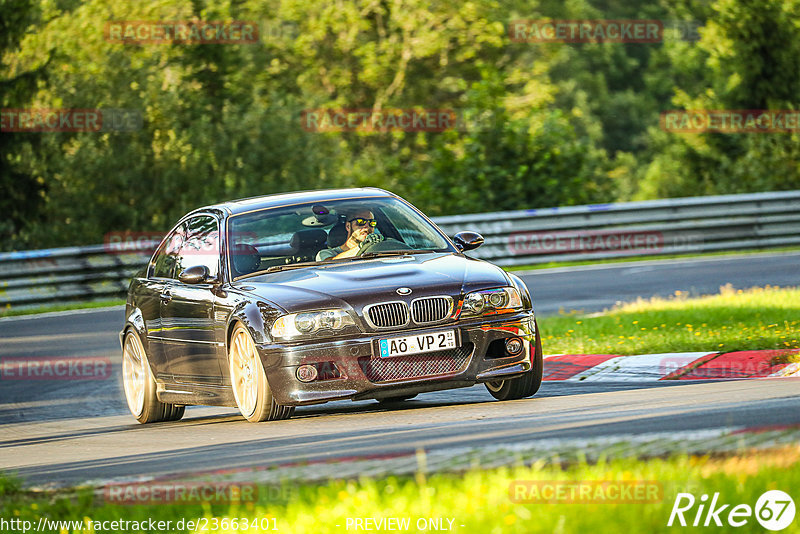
(491, 301)
(302, 324)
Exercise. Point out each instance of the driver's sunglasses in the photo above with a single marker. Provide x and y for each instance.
(363, 222)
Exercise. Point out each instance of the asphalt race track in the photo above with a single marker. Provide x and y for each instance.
(66, 432)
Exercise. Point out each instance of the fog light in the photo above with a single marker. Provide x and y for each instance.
(514, 345)
(306, 373)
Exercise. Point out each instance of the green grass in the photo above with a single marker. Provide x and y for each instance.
(554, 264)
(11, 312)
(758, 318)
(790, 357)
(480, 500)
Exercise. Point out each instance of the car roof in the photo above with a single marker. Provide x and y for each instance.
(244, 205)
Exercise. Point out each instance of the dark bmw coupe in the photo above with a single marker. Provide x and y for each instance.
(285, 300)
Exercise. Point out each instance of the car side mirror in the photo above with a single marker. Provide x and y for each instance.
(468, 240)
(195, 275)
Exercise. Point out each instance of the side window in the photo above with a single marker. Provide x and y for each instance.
(201, 246)
(166, 257)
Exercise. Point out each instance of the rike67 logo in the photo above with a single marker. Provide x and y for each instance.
(774, 510)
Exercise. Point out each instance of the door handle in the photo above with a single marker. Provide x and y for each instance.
(166, 296)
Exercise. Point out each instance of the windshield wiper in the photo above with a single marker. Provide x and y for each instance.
(276, 268)
(393, 253)
(368, 255)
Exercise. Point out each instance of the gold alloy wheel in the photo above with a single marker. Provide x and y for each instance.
(245, 371)
(495, 385)
(134, 373)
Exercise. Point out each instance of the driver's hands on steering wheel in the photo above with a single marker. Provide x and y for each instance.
(369, 240)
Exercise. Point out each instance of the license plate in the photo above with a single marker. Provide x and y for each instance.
(417, 344)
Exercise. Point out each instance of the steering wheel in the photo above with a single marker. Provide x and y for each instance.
(386, 245)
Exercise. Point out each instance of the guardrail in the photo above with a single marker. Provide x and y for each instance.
(526, 237)
(653, 227)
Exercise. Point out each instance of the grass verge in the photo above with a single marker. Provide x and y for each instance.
(12, 312)
(475, 501)
(554, 264)
(752, 319)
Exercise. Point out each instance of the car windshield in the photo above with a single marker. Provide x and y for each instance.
(277, 238)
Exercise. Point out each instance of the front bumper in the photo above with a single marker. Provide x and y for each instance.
(364, 375)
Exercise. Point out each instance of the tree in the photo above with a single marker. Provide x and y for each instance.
(22, 189)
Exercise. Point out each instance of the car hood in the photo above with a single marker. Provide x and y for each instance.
(358, 282)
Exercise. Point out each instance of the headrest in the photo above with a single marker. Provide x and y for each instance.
(308, 239)
(337, 235)
(246, 258)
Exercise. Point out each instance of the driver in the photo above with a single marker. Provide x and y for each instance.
(360, 226)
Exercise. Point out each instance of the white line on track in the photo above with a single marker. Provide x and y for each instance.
(643, 263)
(65, 313)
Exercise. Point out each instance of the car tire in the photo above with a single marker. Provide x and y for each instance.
(140, 386)
(523, 386)
(174, 412)
(249, 381)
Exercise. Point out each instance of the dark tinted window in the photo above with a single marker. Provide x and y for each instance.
(201, 246)
(166, 258)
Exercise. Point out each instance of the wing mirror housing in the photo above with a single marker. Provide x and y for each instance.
(468, 240)
(197, 274)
